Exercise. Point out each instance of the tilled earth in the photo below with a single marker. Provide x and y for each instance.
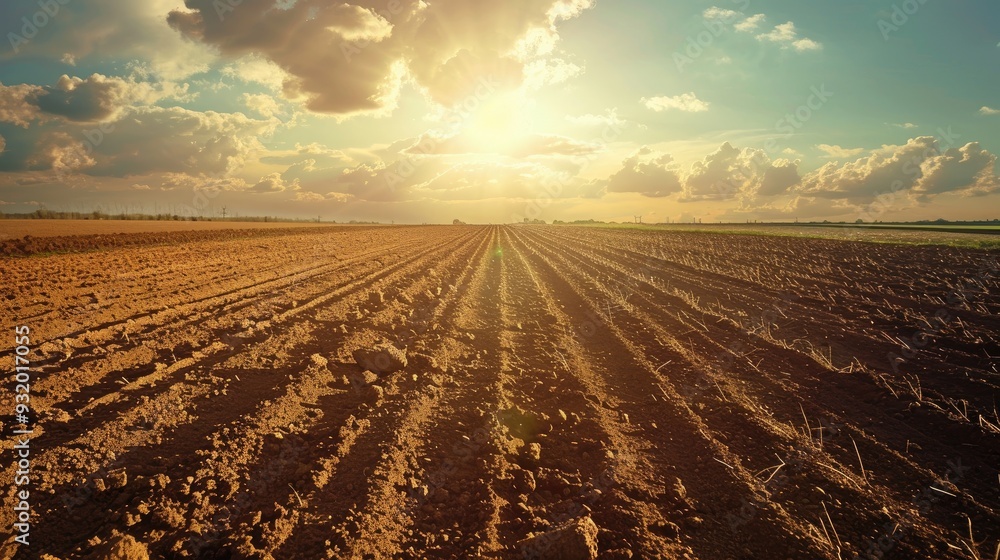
(689, 395)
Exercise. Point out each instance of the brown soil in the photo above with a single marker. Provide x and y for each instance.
(16, 229)
(198, 395)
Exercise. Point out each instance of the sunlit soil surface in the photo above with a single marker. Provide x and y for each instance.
(621, 393)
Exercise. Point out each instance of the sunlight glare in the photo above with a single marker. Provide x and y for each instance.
(501, 124)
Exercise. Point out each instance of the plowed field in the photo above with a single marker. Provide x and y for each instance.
(693, 395)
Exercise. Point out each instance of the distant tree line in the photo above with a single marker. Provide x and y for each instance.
(45, 214)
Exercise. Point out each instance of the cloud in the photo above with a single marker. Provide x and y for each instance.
(115, 30)
(527, 145)
(609, 119)
(786, 36)
(62, 153)
(3, 144)
(150, 140)
(200, 182)
(723, 14)
(177, 139)
(419, 178)
(339, 197)
(731, 173)
(861, 179)
(907, 125)
(687, 102)
(18, 104)
(308, 197)
(94, 99)
(253, 69)
(751, 23)
(376, 180)
(838, 152)
(989, 111)
(485, 180)
(360, 24)
(347, 59)
(551, 145)
(920, 167)
(648, 173)
(968, 169)
(540, 73)
(262, 104)
(101, 98)
(569, 9)
(307, 157)
(274, 183)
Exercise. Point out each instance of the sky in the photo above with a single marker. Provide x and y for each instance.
(425, 111)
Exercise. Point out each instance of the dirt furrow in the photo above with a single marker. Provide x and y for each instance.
(666, 394)
(764, 416)
(760, 320)
(105, 408)
(906, 480)
(706, 468)
(586, 463)
(132, 347)
(150, 419)
(372, 476)
(832, 398)
(820, 330)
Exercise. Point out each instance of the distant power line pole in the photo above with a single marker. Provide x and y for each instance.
(223, 212)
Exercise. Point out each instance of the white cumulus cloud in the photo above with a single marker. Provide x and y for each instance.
(838, 152)
(787, 36)
(921, 167)
(687, 102)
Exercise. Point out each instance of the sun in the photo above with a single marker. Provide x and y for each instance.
(500, 124)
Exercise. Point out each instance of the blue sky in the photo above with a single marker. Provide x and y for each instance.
(419, 111)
